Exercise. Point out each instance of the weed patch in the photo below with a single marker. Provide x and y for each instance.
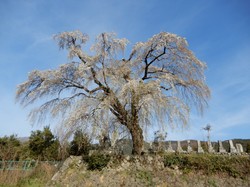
(145, 176)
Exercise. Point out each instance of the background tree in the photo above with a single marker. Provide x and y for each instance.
(156, 84)
(80, 145)
(159, 140)
(10, 148)
(43, 145)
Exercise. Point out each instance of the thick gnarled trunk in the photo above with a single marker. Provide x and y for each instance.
(134, 127)
(137, 139)
(130, 119)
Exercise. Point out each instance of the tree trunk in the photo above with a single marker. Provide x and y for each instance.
(137, 138)
(130, 120)
(135, 129)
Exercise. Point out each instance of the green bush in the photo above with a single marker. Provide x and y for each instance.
(248, 148)
(172, 159)
(97, 161)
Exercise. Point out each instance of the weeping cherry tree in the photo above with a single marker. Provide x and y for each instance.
(106, 88)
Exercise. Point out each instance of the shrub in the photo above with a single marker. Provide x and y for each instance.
(248, 148)
(97, 161)
(174, 159)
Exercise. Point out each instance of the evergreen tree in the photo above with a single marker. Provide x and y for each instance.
(43, 145)
(80, 144)
(9, 148)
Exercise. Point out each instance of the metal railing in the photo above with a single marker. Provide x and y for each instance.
(17, 165)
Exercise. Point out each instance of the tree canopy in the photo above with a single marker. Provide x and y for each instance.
(106, 90)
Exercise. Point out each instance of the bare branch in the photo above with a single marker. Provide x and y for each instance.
(152, 61)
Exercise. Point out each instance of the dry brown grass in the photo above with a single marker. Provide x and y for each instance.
(11, 177)
(39, 175)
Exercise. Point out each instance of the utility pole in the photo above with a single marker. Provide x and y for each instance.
(208, 128)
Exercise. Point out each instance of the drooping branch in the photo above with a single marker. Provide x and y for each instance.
(93, 72)
(171, 87)
(71, 84)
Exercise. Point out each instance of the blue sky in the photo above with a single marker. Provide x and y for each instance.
(218, 31)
